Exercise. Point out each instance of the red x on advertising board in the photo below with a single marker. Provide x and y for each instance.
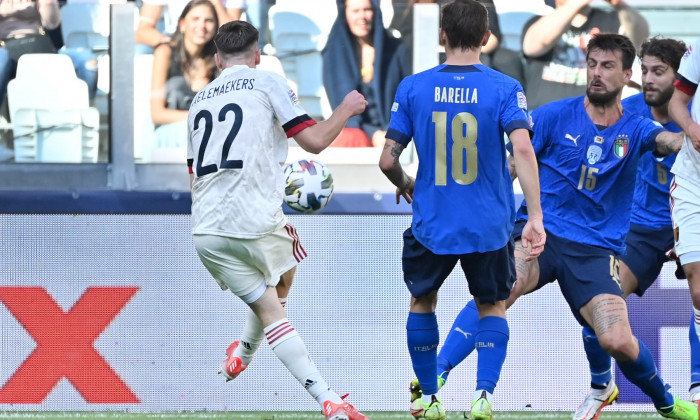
(64, 345)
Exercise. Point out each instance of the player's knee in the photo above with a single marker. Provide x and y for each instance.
(695, 295)
(621, 347)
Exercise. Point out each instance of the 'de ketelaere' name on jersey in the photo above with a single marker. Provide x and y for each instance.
(235, 84)
(453, 95)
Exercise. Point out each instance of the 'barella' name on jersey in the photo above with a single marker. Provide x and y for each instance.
(236, 84)
(454, 95)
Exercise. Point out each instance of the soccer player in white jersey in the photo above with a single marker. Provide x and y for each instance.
(685, 189)
(238, 129)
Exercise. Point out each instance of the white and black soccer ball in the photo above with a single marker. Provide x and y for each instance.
(309, 185)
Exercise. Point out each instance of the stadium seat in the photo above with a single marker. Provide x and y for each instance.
(511, 24)
(272, 64)
(86, 25)
(50, 113)
(298, 40)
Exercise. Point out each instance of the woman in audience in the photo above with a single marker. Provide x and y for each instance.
(181, 67)
(360, 54)
(148, 36)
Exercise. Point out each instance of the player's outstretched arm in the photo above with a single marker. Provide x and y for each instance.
(390, 165)
(668, 142)
(317, 137)
(533, 236)
(678, 108)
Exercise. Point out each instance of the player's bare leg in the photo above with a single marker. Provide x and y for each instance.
(603, 390)
(692, 272)
(240, 353)
(527, 274)
(289, 348)
(608, 316)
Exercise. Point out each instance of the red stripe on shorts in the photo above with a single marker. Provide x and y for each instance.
(297, 249)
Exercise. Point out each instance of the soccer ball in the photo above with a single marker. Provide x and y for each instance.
(309, 185)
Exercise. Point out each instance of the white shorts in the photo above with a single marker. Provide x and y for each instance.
(248, 266)
(685, 211)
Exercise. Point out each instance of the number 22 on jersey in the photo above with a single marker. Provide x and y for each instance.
(461, 144)
(208, 128)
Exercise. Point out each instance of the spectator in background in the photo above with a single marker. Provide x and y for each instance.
(181, 67)
(151, 12)
(361, 55)
(22, 31)
(492, 54)
(22, 25)
(554, 45)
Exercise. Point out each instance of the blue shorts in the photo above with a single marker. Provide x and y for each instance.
(646, 253)
(490, 275)
(583, 271)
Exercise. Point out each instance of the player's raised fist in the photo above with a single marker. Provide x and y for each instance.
(355, 102)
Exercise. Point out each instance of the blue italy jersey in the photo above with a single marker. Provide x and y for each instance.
(457, 115)
(587, 175)
(651, 197)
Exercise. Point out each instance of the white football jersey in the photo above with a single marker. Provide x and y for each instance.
(687, 165)
(238, 128)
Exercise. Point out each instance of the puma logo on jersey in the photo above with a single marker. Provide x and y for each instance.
(466, 334)
(572, 138)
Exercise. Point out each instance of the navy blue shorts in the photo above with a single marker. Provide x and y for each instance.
(646, 253)
(583, 271)
(490, 275)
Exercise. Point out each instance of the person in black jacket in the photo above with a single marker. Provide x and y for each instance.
(360, 54)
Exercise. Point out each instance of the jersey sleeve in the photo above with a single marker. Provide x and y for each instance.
(287, 107)
(688, 75)
(648, 130)
(514, 110)
(541, 127)
(400, 127)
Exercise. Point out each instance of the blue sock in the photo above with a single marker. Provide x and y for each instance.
(423, 338)
(694, 352)
(599, 361)
(491, 344)
(643, 373)
(460, 341)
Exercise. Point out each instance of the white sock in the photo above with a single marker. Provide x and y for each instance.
(252, 336)
(427, 399)
(290, 349)
(477, 395)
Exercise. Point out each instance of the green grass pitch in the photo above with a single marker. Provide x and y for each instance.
(108, 415)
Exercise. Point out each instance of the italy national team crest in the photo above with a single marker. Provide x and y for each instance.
(621, 146)
(593, 154)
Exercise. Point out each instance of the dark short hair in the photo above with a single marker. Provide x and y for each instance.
(669, 51)
(613, 42)
(236, 37)
(465, 23)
